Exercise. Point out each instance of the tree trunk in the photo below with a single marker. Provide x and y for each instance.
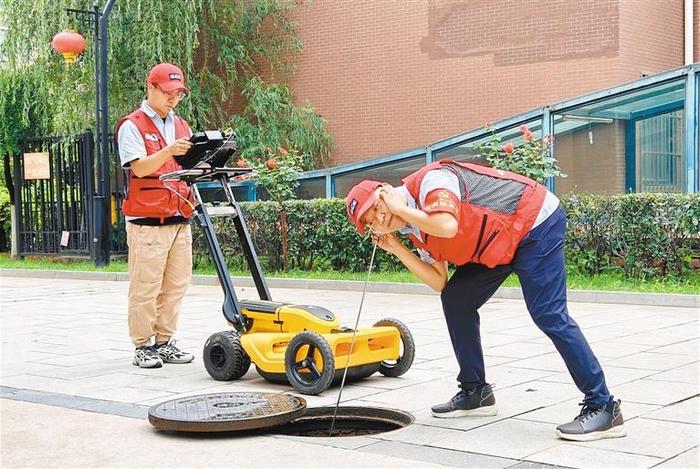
(283, 230)
(14, 234)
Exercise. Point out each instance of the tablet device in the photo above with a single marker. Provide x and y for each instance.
(211, 146)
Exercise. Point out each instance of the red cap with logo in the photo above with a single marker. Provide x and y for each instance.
(360, 199)
(168, 77)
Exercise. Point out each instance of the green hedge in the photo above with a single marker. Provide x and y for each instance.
(643, 235)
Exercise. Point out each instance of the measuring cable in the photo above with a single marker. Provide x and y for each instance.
(352, 341)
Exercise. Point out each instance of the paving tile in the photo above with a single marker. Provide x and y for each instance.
(682, 374)
(612, 349)
(685, 460)
(660, 338)
(443, 457)
(513, 439)
(417, 434)
(547, 362)
(652, 361)
(687, 411)
(643, 437)
(351, 442)
(646, 391)
(570, 455)
(686, 347)
(613, 376)
(534, 393)
(504, 376)
(521, 350)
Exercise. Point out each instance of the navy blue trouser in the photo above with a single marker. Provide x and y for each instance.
(539, 264)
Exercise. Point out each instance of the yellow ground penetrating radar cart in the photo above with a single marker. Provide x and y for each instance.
(303, 345)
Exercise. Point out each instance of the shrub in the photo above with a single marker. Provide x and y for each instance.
(642, 235)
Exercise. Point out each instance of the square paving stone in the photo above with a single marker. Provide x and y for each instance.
(683, 374)
(687, 411)
(443, 457)
(583, 457)
(654, 438)
(685, 460)
(514, 439)
(646, 391)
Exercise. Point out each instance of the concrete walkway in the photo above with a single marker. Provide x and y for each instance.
(71, 398)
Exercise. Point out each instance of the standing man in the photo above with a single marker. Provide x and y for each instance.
(158, 217)
(488, 223)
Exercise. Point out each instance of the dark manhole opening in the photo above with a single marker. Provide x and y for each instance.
(350, 421)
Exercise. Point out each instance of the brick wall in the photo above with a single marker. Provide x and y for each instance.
(651, 37)
(392, 75)
(696, 31)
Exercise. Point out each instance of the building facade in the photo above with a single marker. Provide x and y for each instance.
(392, 75)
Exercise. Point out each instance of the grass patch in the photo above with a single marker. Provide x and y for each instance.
(690, 284)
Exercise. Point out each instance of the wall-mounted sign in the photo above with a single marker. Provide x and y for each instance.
(36, 165)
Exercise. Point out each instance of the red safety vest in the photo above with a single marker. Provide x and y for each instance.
(148, 196)
(497, 210)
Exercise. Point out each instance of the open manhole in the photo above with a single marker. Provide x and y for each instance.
(278, 413)
(350, 421)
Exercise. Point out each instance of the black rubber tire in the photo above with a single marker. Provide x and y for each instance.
(224, 357)
(405, 361)
(314, 381)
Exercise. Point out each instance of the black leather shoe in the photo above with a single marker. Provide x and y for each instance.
(595, 423)
(478, 402)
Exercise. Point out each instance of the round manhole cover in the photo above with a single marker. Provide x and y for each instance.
(227, 411)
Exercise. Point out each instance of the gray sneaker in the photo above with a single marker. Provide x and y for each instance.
(595, 423)
(145, 357)
(169, 353)
(477, 402)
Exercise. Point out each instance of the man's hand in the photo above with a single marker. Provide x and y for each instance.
(179, 147)
(389, 242)
(394, 200)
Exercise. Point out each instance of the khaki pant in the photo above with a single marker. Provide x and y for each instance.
(160, 269)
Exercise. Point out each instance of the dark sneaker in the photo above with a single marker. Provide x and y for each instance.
(169, 353)
(145, 357)
(595, 423)
(479, 402)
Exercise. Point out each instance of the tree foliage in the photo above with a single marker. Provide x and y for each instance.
(222, 46)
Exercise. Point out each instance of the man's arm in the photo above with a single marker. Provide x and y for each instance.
(132, 151)
(434, 275)
(146, 165)
(441, 224)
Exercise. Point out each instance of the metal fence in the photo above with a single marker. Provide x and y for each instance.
(53, 209)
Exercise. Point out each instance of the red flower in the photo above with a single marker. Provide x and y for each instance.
(524, 128)
(271, 163)
(528, 135)
(241, 163)
(284, 151)
(508, 148)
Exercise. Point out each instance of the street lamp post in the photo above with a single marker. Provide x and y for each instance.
(102, 198)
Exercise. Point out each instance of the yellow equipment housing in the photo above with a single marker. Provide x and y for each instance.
(270, 331)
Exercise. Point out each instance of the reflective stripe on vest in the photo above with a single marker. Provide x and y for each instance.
(497, 210)
(148, 196)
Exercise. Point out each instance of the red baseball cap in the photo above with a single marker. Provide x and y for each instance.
(168, 77)
(360, 199)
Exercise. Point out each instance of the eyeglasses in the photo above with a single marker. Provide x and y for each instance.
(172, 95)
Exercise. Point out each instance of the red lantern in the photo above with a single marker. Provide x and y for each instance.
(69, 44)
